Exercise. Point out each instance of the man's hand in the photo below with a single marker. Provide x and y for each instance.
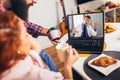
(95, 25)
(74, 30)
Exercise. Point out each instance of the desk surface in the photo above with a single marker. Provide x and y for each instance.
(112, 40)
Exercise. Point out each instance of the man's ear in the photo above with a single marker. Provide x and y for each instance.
(6, 4)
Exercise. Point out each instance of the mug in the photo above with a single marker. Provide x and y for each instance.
(54, 34)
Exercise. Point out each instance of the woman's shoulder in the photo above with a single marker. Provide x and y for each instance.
(22, 68)
(33, 52)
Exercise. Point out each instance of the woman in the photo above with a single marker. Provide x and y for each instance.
(18, 61)
(20, 8)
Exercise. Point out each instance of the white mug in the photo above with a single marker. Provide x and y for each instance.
(54, 34)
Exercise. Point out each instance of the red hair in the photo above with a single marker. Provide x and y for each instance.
(10, 31)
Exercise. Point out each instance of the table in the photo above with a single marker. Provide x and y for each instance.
(113, 44)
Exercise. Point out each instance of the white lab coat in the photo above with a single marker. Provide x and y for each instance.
(90, 30)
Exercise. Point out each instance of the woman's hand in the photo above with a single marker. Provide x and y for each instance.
(71, 56)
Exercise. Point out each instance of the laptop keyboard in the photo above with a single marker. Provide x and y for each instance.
(87, 44)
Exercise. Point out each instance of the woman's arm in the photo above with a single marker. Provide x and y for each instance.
(71, 57)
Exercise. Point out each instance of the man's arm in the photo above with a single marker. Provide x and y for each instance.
(35, 30)
(92, 31)
(95, 25)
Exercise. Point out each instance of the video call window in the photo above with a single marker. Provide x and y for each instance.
(86, 25)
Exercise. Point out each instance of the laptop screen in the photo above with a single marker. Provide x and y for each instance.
(86, 25)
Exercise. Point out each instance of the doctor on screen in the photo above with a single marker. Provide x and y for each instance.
(84, 29)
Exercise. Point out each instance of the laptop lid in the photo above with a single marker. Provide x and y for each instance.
(94, 23)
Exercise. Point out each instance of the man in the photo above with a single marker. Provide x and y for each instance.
(84, 29)
(20, 8)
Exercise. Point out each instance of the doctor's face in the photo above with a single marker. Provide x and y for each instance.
(86, 20)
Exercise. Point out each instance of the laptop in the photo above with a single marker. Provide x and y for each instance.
(93, 41)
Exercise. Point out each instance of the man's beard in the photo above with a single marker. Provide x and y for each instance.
(20, 8)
